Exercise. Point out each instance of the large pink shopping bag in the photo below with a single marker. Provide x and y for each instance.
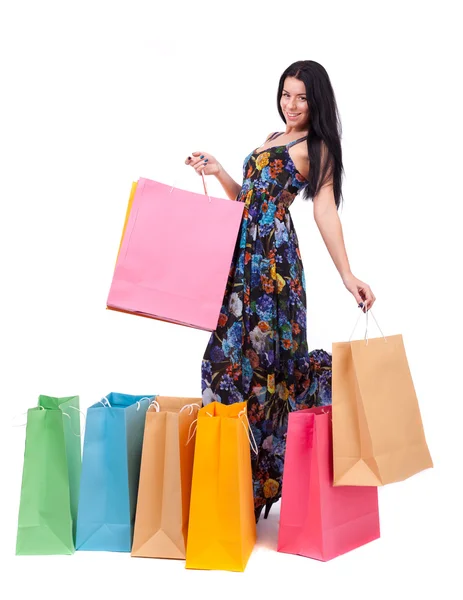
(318, 520)
(175, 255)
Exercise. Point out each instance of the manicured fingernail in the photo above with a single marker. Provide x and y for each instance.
(206, 159)
(202, 156)
(189, 158)
(360, 305)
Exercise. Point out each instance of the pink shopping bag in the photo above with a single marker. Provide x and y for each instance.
(175, 255)
(318, 520)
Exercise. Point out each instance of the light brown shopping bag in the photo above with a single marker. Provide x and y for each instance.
(161, 521)
(378, 435)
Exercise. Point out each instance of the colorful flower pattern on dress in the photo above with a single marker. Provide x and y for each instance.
(259, 351)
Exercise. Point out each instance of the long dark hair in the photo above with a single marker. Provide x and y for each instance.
(324, 127)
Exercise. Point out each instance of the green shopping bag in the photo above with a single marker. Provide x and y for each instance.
(51, 477)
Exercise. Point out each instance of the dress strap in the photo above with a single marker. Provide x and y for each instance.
(296, 141)
(273, 136)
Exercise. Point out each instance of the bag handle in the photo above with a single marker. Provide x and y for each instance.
(65, 414)
(154, 404)
(191, 434)
(248, 430)
(204, 186)
(366, 326)
(22, 415)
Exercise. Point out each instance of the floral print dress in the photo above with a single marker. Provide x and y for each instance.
(259, 352)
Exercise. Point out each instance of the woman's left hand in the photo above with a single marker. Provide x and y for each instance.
(361, 292)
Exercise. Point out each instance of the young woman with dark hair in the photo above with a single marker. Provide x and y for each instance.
(258, 352)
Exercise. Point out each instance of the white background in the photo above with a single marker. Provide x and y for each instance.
(95, 95)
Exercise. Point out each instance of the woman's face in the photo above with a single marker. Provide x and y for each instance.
(294, 104)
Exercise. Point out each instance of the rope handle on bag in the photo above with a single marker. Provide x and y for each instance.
(154, 404)
(21, 415)
(150, 398)
(248, 430)
(204, 186)
(195, 423)
(190, 407)
(366, 326)
(65, 414)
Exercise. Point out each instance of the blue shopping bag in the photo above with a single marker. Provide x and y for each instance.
(110, 472)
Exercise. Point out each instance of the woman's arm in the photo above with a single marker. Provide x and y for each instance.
(209, 165)
(231, 188)
(328, 222)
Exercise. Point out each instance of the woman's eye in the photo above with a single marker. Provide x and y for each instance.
(300, 98)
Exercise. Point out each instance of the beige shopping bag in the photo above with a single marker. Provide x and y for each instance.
(161, 521)
(378, 435)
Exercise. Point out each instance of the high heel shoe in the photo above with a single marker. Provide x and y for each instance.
(268, 506)
(259, 509)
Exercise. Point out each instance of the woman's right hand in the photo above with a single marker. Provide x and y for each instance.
(204, 162)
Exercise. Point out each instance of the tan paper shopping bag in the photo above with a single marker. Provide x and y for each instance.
(161, 521)
(378, 435)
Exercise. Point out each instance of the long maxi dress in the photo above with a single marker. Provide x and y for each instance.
(258, 352)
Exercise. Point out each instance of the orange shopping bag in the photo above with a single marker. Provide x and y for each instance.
(222, 528)
(127, 212)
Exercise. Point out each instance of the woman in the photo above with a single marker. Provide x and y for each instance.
(259, 352)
